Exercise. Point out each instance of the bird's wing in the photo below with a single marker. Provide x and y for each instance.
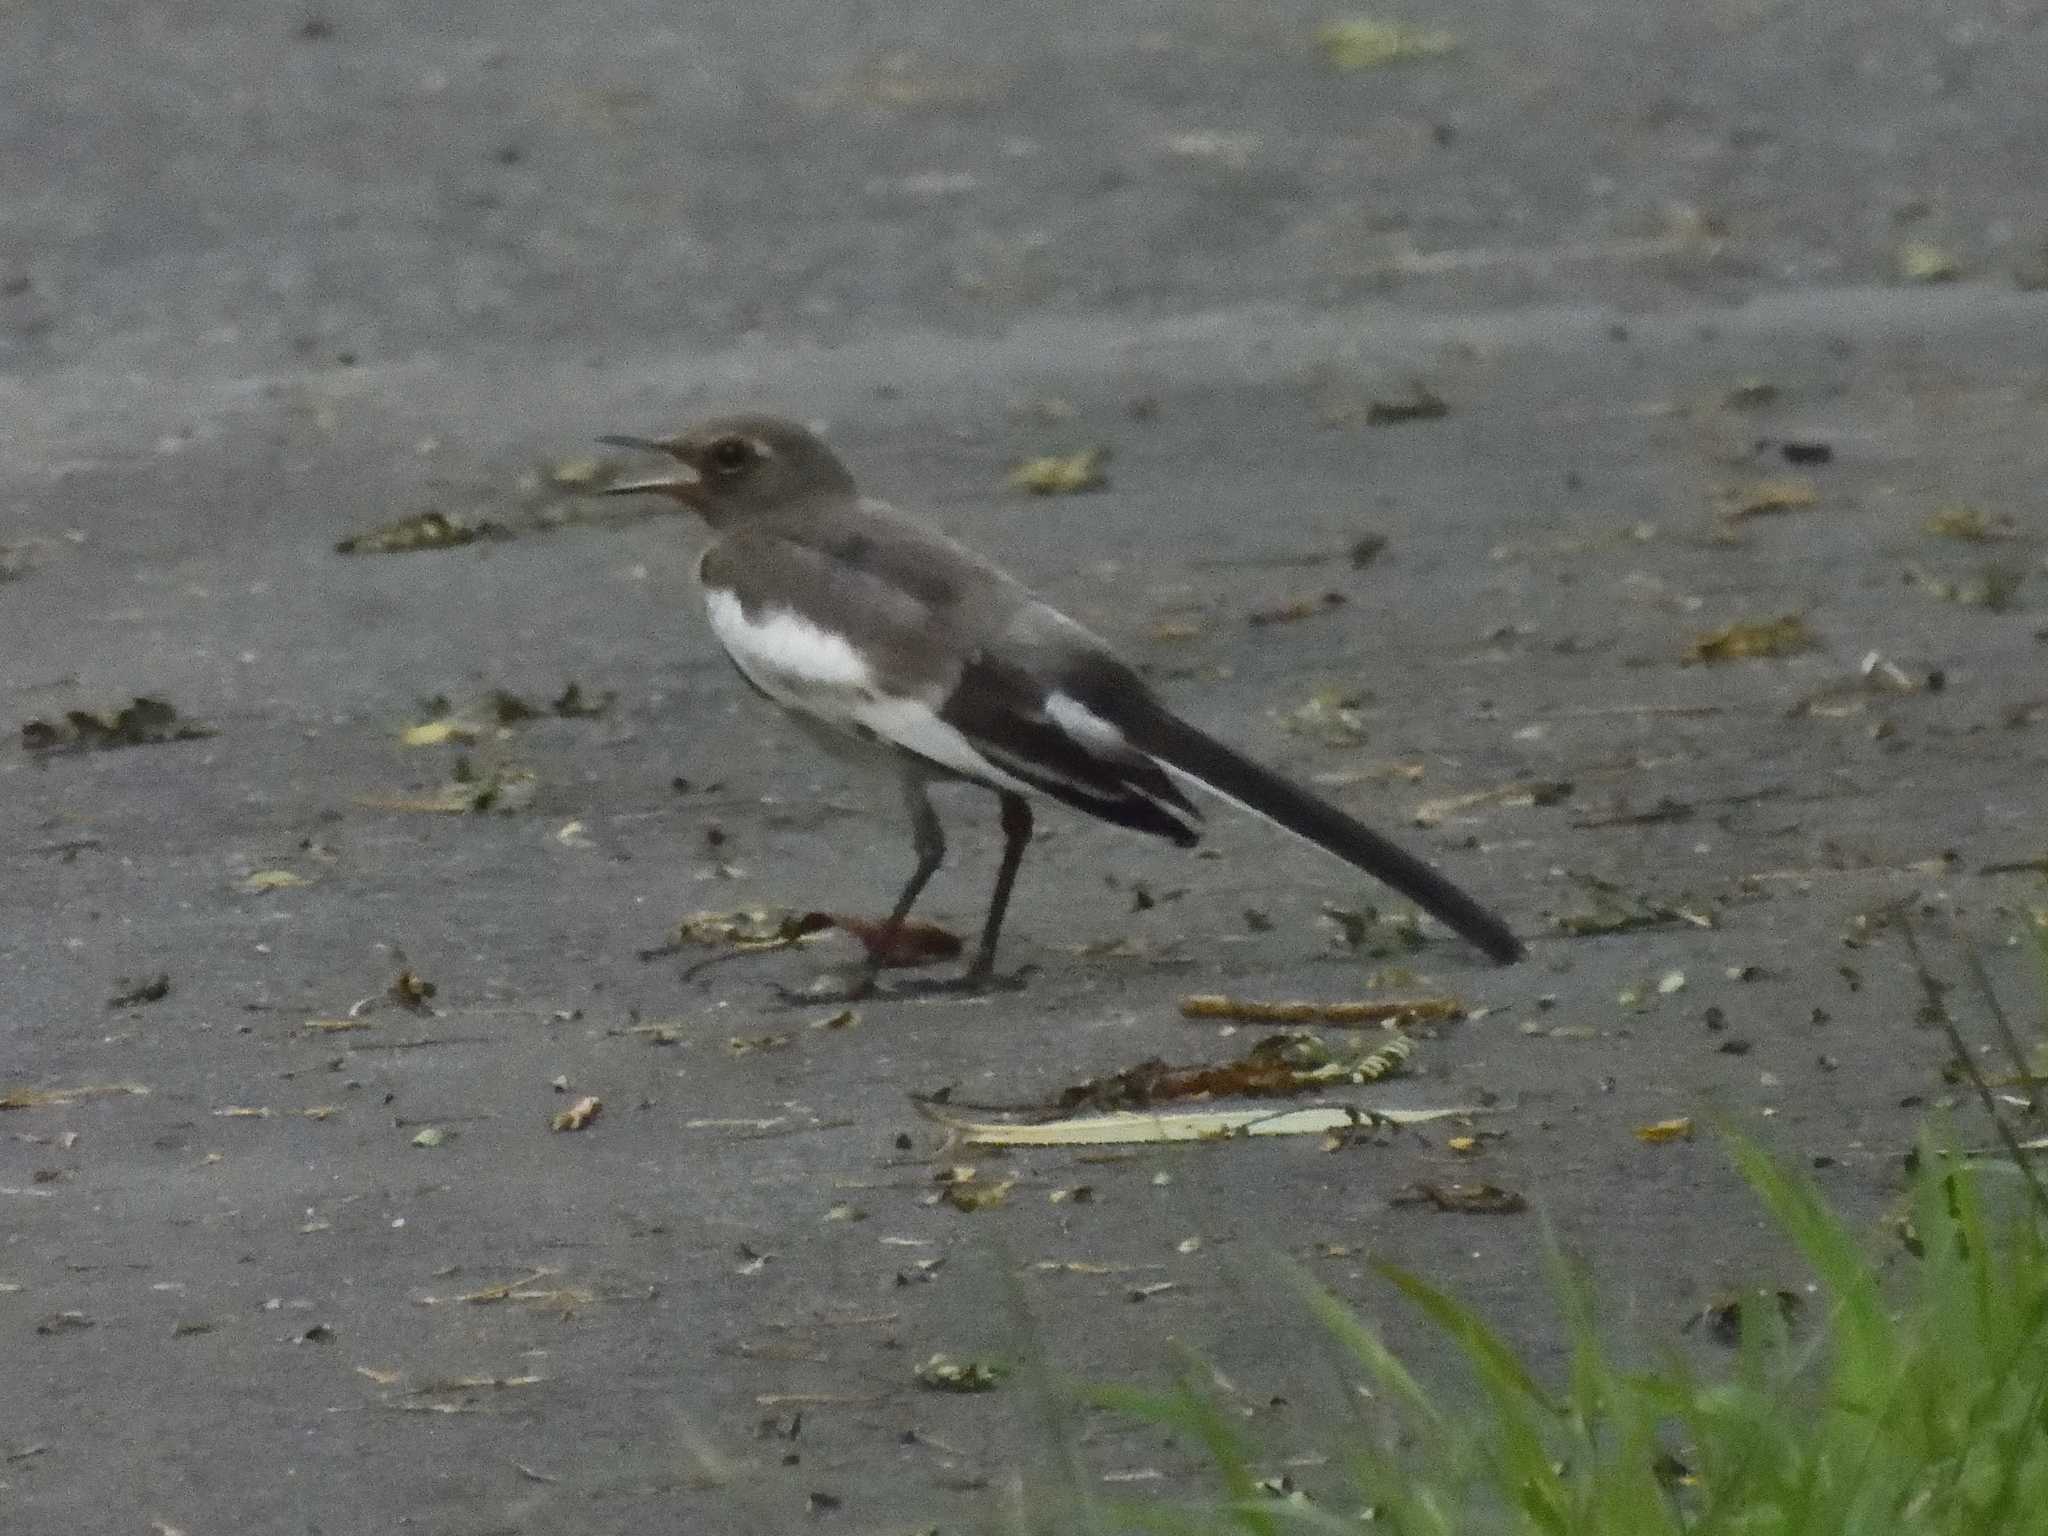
(886, 632)
(1024, 722)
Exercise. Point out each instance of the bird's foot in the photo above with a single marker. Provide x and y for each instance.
(978, 981)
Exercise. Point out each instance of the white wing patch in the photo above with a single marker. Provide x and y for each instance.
(818, 673)
(1085, 726)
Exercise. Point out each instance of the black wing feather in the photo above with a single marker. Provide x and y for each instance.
(999, 706)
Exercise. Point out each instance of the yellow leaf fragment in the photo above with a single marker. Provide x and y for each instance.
(1791, 493)
(1335, 716)
(431, 529)
(579, 1115)
(437, 733)
(504, 790)
(1353, 43)
(942, 1373)
(1786, 636)
(1062, 474)
(273, 880)
(571, 473)
(1972, 525)
(1994, 587)
(957, 1188)
(412, 991)
(1661, 1131)
(755, 928)
(1922, 261)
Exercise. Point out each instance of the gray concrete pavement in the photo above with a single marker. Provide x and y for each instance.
(269, 283)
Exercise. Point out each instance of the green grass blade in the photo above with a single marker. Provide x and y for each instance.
(1866, 1343)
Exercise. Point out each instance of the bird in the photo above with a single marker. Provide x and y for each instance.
(891, 641)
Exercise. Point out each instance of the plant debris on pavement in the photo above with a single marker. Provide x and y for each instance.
(144, 722)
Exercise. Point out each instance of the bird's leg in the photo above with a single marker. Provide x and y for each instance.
(1016, 838)
(980, 975)
(928, 837)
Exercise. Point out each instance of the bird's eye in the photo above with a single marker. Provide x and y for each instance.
(729, 455)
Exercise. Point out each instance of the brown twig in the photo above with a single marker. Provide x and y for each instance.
(1378, 1011)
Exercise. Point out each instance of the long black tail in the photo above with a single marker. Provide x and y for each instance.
(1217, 768)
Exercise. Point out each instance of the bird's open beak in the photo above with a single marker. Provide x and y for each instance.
(677, 480)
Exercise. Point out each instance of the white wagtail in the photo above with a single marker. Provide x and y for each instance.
(901, 642)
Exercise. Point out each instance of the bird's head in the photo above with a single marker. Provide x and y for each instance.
(736, 467)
